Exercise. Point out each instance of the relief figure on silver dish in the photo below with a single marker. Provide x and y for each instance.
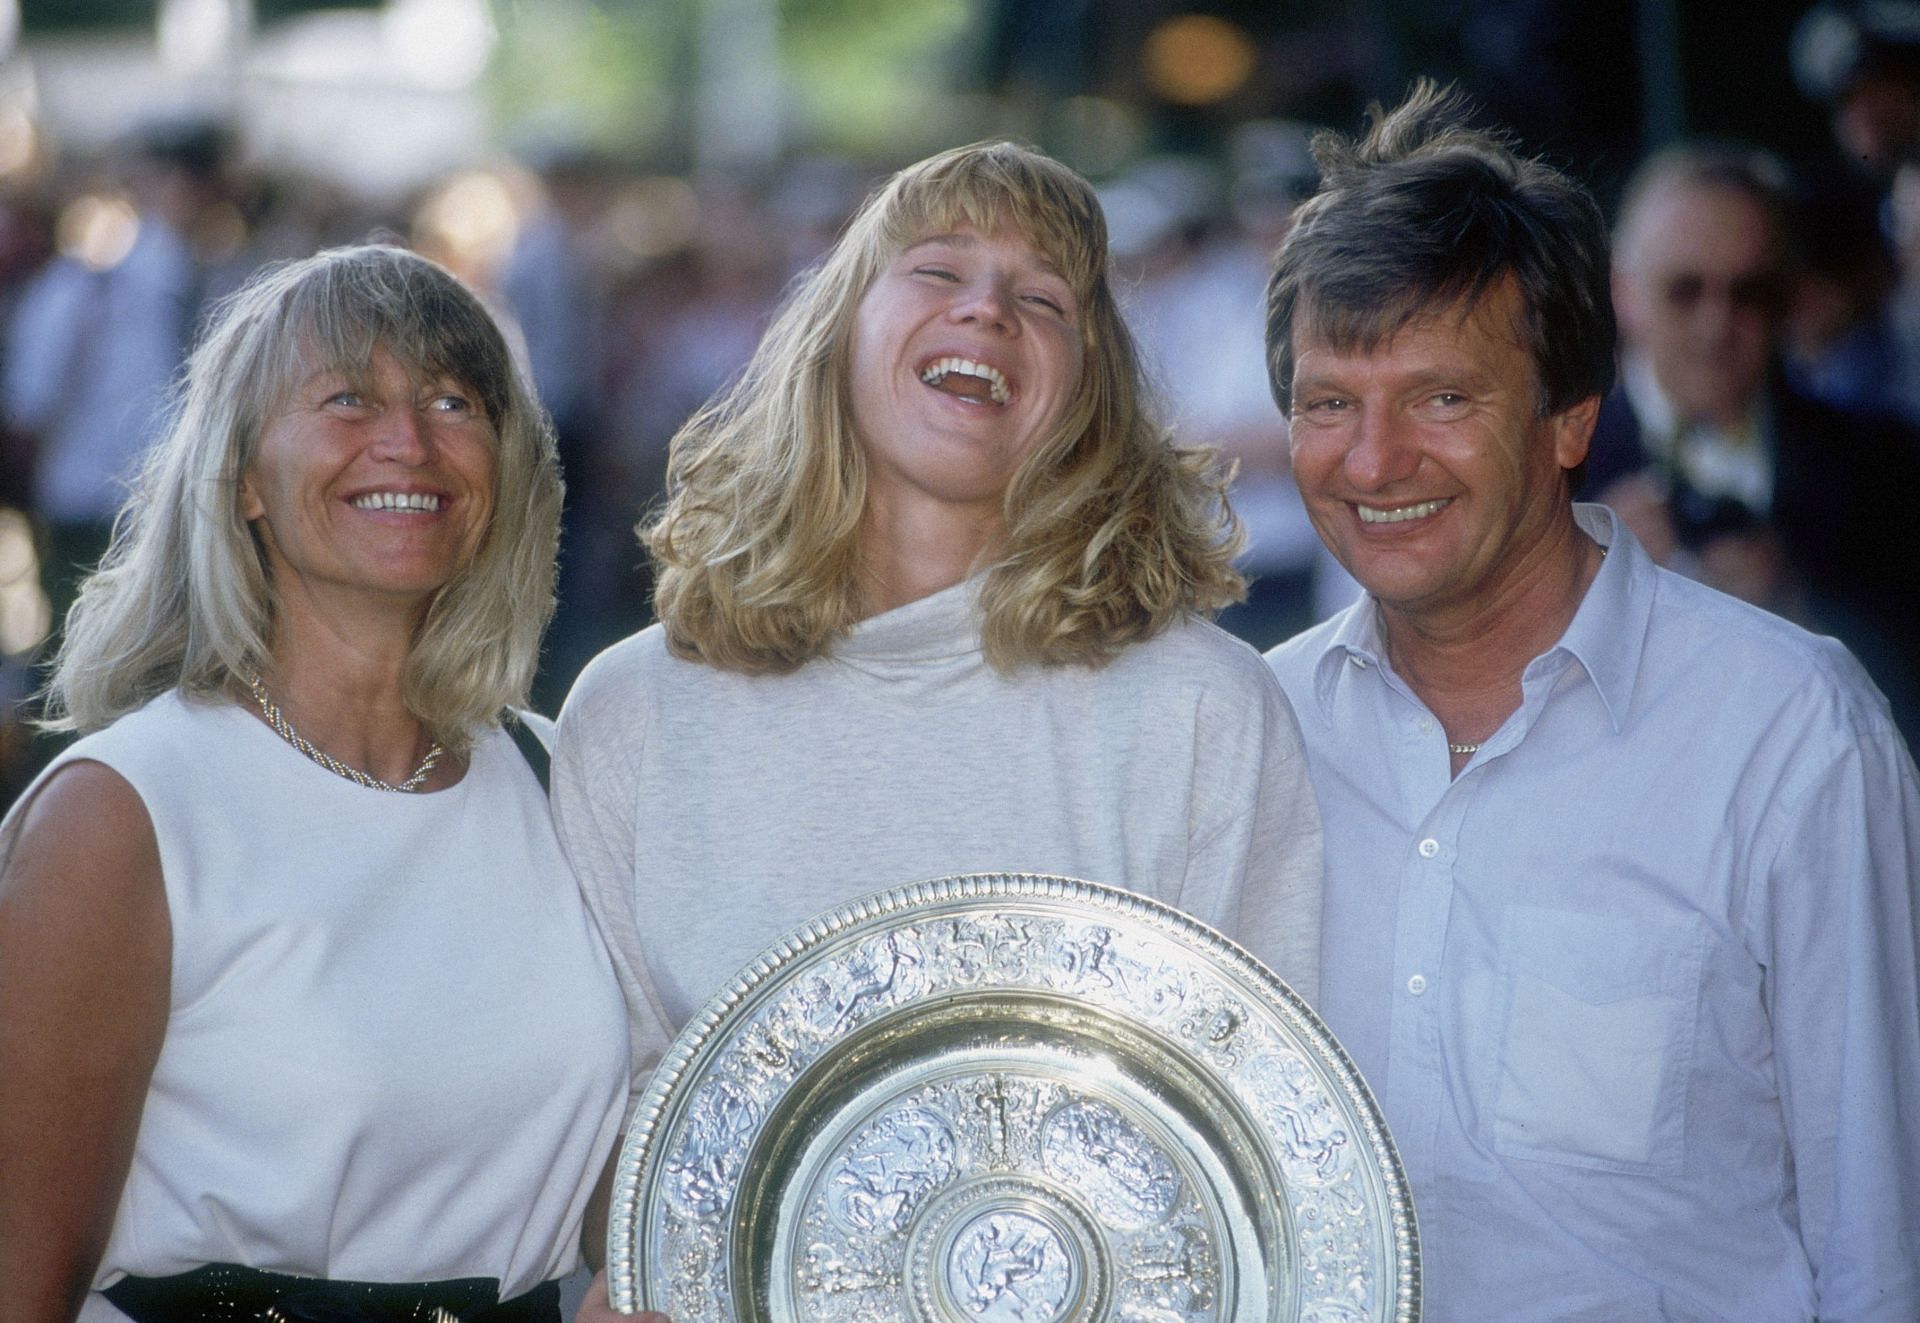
(1007, 1267)
(875, 974)
(704, 1169)
(1129, 1182)
(889, 1169)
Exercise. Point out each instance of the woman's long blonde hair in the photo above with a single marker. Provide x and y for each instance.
(183, 598)
(1111, 530)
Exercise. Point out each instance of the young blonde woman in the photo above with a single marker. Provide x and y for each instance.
(932, 593)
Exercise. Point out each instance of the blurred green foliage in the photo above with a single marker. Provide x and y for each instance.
(599, 72)
(867, 74)
(860, 75)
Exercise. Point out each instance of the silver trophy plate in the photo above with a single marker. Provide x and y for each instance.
(1008, 1098)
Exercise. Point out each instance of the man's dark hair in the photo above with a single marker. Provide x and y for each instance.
(1426, 213)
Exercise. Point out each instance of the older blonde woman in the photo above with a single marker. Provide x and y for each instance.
(299, 1007)
(931, 588)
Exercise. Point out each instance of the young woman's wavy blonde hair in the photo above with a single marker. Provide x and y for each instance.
(1111, 530)
(183, 598)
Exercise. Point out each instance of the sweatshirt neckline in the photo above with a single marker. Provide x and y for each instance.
(937, 627)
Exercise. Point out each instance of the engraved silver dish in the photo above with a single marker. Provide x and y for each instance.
(1009, 1098)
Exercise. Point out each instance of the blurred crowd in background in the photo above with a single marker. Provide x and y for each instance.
(637, 281)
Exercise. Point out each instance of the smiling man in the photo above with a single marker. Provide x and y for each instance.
(1619, 917)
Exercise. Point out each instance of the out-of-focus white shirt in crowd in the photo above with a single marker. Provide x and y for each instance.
(1637, 990)
(551, 292)
(1202, 328)
(90, 356)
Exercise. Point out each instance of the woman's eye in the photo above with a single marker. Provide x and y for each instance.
(346, 399)
(1047, 301)
(937, 272)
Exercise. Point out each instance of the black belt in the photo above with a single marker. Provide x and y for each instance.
(228, 1293)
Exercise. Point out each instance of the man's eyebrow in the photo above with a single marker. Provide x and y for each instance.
(1424, 377)
(1469, 374)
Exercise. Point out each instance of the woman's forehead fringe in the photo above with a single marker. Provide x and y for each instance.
(1054, 230)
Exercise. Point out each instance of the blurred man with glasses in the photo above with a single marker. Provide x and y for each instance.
(1724, 469)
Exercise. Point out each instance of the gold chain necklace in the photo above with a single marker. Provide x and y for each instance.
(1467, 750)
(284, 729)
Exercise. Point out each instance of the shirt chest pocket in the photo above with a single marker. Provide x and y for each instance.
(1594, 1040)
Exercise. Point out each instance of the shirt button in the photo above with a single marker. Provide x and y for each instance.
(1426, 725)
(1429, 848)
(1417, 984)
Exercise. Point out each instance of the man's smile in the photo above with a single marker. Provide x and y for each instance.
(1373, 514)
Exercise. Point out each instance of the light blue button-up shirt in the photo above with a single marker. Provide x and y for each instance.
(1637, 990)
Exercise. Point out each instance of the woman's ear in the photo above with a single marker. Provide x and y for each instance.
(251, 507)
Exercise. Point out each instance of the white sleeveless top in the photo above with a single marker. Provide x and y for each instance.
(396, 1049)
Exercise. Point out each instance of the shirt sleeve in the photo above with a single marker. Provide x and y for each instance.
(1266, 859)
(1842, 994)
(595, 791)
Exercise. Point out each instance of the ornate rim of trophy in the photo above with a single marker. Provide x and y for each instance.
(1010, 1098)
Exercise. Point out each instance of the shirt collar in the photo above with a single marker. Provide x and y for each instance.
(1353, 641)
(1606, 636)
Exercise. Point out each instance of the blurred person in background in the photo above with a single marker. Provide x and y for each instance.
(555, 289)
(1723, 467)
(553, 286)
(680, 327)
(1861, 59)
(1199, 314)
(932, 587)
(1620, 910)
(1903, 225)
(96, 339)
(302, 1015)
(1839, 339)
(26, 243)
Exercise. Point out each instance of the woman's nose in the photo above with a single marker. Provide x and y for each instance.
(986, 302)
(401, 434)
